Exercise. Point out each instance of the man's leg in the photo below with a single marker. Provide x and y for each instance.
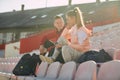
(56, 53)
(60, 57)
(61, 41)
(51, 52)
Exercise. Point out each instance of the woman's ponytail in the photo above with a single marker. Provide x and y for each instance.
(79, 17)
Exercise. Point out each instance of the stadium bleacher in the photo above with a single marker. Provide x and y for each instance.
(88, 70)
(68, 71)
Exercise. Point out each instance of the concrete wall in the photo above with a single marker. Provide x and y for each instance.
(107, 36)
(105, 27)
(12, 49)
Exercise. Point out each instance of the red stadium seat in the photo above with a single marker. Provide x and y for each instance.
(67, 71)
(42, 69)
(117, 55)
(53, 71)
(86, 71)
(109, 71)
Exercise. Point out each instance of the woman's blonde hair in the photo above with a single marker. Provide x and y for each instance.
(78, 15)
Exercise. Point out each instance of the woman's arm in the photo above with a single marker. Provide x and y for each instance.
(84, 47)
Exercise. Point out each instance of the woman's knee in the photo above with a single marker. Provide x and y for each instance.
(64, 49)
(66, 53)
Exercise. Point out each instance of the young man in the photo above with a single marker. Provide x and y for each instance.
(53, 36)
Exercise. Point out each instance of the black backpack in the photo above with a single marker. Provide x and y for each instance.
(97, 56)
(27, 65)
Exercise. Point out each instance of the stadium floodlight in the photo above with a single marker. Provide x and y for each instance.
(43, 16)
(91, 12)
(61, 14)
(33, 17)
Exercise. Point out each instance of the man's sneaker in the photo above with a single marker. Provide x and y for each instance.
(46, 59)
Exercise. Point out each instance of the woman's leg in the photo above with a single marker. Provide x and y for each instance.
(70, 54)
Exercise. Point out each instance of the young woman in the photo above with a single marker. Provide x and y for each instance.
(79, 42)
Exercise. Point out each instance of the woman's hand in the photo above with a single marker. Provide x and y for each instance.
(58, 45)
